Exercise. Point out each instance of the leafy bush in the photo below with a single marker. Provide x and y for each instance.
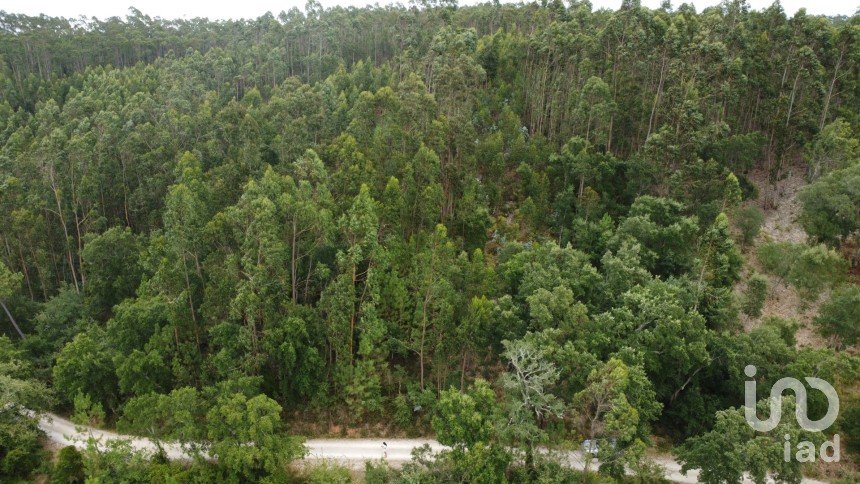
(377, 472)
(115, 461)
(464, 418)
(236, 420)
(666, 235)
(786, 329)
(830, 205)
(840, 315)
(733, 448)
(178, 415)
(402, 412)
(87, 412)
(85, 365)
(327, 473)
(849, 423)
(816, 269)
(483, 463)
(749, 220)
(69, 467)
(20, 449)
(833, 148)
(809, 269)
(113, 273)
(755, 295)
(778, 257)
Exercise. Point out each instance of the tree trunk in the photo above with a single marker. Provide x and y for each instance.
(293, 264)
(191, 304)
(793, 94)
(830, 90)
(20, 333)
(657, 97)
(65, 228)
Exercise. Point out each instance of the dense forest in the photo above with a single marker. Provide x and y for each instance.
(511, 227)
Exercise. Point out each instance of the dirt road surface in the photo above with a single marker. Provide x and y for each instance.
(347, 452)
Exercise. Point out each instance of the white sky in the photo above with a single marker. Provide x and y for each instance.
(224, 9)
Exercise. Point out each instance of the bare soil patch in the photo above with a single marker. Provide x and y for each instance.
(781, 206)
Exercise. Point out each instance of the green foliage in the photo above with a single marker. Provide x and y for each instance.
(179, 415)
(743, 450)
(834, 147)
(665, 234)
(785, 328)
(376, 472)
(530, 401)
(749, 220)
(208, 228)
(20, 437)
(110, 262)
(9, 282)
(720, 260)
(463, 420)
(114, 461)
(623, 270)
(849, 422)
(87, 412)
(659, 321)
(755, 295)
(811, 269)
(532, 272)
(613, 412)
(816, 269)
(59, 320)
(732, 194)
(20, 445)
(327, 473)
(85, 366)
(402, 412)
(829, 206)
(484, 463)
(779, 257)
(69, 468)
(20, 388)
(235, 421)
(839, 316)
(706, 187)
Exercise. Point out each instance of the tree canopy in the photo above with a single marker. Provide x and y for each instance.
(513, 226)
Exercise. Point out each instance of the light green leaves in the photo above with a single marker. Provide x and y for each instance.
(246, 436)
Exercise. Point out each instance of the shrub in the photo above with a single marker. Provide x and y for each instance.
(833, 148)
(749, 220)
(377, 472)
(69, 467)
(20, 449)
(402, 412)
(839, 316)
(829, 206)
(326, 474)
(816, 269)
(115, 461)
(786, 329)
(849, 423)
(87, 412)
(755, 295)
(778, 257)
(809, 269)
(483, 463)
(85, 365)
